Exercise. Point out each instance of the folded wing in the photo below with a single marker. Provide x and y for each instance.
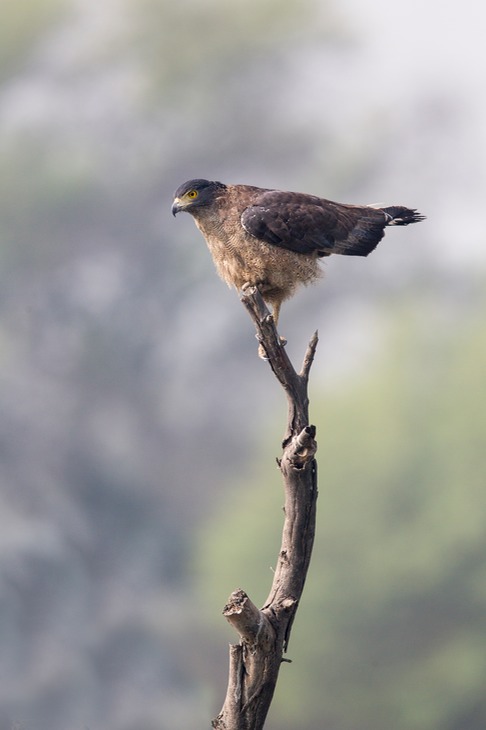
(307, 224)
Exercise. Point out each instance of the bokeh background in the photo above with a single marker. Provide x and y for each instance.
(138, 427)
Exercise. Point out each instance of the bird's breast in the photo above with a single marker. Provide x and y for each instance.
(241, 259)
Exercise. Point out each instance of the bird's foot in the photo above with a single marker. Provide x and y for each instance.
(262, 353)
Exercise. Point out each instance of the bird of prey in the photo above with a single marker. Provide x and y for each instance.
(274, 239)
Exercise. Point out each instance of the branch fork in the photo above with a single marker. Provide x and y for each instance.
(264, 633)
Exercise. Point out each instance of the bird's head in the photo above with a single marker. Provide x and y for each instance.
(194, 194)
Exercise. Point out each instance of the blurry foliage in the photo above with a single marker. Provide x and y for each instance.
(22, 24)
(390, 632)
(43, 200)
(199, 42)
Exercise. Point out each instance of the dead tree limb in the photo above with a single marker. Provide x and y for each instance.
(264, 633)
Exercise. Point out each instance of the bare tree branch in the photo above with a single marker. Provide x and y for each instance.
(264, 633)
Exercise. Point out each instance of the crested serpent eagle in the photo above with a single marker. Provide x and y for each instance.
(274, 239)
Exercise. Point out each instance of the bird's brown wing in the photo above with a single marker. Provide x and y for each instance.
(307, 224)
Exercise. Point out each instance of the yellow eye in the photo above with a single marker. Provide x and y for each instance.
(192, 194)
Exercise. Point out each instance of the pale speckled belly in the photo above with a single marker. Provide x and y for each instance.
(249, 261)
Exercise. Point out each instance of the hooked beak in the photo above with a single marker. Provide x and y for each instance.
(176, 206)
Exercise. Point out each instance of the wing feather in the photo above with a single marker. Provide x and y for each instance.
(307, 224)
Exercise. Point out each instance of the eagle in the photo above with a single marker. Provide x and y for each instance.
(274, 239)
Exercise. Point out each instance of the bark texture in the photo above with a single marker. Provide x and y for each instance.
(264, 633)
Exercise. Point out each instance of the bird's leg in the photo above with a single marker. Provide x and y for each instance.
(275, 315)
(275, 304)
(276, 312)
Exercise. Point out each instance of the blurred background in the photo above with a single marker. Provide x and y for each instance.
(139, 428)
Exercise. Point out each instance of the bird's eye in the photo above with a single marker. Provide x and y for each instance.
(192, 194)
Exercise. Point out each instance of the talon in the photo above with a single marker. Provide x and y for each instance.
(283, 341)
(262, 353)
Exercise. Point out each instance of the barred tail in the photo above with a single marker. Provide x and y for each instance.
(397, 215)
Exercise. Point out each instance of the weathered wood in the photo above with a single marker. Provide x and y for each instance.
(264, 633)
